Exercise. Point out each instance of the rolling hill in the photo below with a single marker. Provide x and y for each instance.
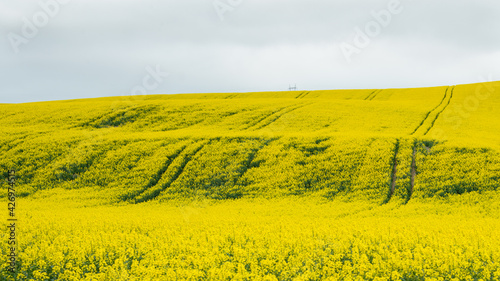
(394, 184)
(379, 145)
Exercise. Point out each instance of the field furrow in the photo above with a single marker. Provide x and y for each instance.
(262, 118)
(301, 95)
(370, 95)
(157, 177)
(177, 168)
(392, 187)
(413, 172)
(375, 94)
(307, 93)
(441, 111)
(278, 115)
(426, 123)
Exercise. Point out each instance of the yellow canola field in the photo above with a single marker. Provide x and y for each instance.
(276, 239)
(394, 184)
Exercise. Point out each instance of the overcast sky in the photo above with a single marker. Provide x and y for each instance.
(52, 50)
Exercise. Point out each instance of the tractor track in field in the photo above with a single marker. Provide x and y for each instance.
(367, 97)
(375, 95)
(302, 95)
(413, 172)
(265, 117)
(185, 161)
(305, 95)
(439, 113)
(154, 181)
(394, 172)
(277, 116)
(372, 95)
(116, 118)
(251, 158)
(431, 111)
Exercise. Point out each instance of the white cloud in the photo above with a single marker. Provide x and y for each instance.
(100, 48)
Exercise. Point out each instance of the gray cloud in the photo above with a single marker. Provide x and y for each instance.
(102, 48)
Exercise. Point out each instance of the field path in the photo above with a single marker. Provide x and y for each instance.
(251, 158)
(413, 172)
(266, 116)
(426, 124)
(184, 158)
(439, 113)
(376, 94)
(268, 120)
(372, 95)
(305, 95)
(154, 181)
(394, 173)
(302, 95)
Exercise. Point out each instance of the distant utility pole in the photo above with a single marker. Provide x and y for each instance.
(294, 88)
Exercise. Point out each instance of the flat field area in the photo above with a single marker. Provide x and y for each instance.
(294, 238)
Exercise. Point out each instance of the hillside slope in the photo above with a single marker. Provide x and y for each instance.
(381, 145)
